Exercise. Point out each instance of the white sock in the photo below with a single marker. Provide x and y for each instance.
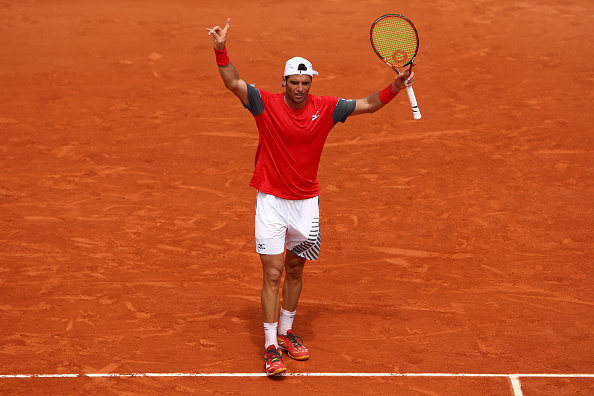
(270, 332)
(285, 322)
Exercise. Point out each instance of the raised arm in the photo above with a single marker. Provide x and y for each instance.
(228, 72)
(377, 100)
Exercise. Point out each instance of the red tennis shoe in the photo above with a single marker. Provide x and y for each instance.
(294, 348)
(274, 361)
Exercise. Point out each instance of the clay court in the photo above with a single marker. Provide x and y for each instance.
(457, 250)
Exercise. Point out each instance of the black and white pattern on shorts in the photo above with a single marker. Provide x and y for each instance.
(310, 249)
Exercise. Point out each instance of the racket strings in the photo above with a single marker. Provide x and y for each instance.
(395, 40)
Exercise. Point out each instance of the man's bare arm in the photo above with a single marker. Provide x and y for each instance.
(228, 72)
(372, 103)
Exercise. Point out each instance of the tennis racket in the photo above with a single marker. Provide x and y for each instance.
(395, 40)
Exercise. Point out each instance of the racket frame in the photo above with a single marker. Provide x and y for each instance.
(411, 93)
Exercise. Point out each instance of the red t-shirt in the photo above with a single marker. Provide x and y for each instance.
(291, 141)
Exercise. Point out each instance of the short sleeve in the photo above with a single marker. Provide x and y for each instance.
(256, 105)
(343, 109)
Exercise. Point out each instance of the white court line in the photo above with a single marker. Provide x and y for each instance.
(517, 387)
(513, 377)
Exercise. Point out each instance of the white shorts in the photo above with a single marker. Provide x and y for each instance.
(294, 223)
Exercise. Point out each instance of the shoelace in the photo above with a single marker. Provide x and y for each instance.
(293, 339)
(275, 355)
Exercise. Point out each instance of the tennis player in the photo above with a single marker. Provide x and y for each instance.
(293, 126)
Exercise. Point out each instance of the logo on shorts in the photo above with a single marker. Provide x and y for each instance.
(261, 246)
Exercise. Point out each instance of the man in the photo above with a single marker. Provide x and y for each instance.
(293, 127)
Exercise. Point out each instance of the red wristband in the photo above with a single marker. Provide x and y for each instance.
(387, 94)
(222, 57)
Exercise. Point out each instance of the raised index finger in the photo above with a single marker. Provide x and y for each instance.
(228, 24)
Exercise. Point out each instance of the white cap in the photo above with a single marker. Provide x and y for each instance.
(298, 65)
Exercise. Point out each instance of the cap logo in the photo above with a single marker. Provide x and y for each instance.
(298, 65)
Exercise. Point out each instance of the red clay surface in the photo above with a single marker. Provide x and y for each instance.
(460, 243)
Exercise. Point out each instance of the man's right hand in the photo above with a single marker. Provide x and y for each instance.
(219, 36)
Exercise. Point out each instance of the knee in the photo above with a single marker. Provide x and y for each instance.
(272, 277)
(294, 270)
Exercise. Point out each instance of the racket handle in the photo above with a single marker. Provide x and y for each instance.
(413, 103)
